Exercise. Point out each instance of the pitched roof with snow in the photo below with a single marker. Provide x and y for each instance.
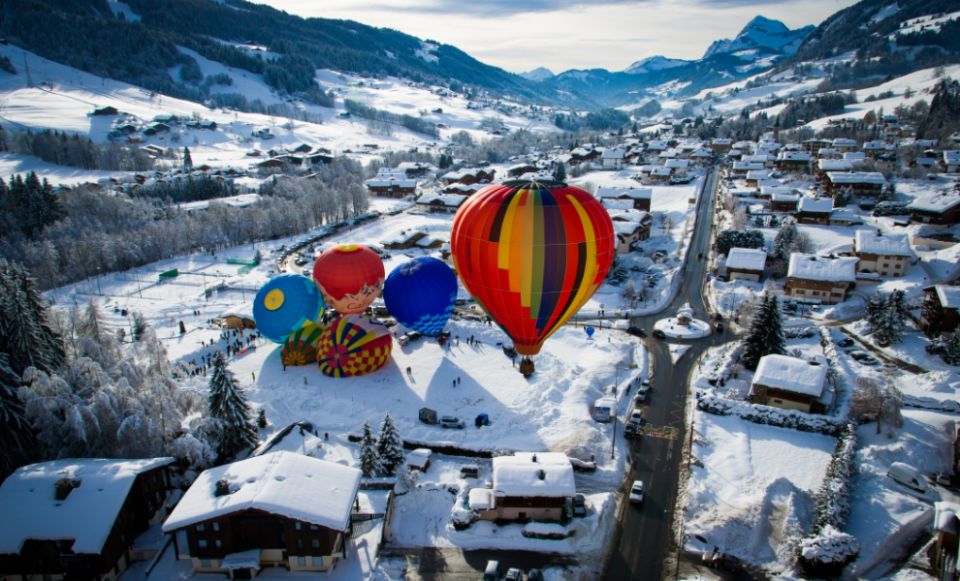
(834, 165)
(887, 245)
(632, 193)
(612, 154)
(810, 267)
(747, 259)
(790, 374)
(936, 203)
(87, 515)
(949, 296)
(281, 483)
(857, 177)
(520, 475)
(951, 157)
(794, 156)
(816, 205)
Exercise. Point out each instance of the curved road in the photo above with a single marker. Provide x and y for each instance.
(645, 546)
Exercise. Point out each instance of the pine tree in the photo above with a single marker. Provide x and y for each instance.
(139, 326)
(560, 173)
(951, 351)
(369, 461)
(897, 313)
(785, 239)
(187, 159)
(18, 444)
(262, 419)
(876, 313)
(228, 404)
(25, 333)
(766, 333)
(389, 446)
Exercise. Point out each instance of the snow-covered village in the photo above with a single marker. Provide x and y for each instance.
(305, 295)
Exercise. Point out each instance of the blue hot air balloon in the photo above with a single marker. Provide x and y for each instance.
(285, 304)
(590, 331)
(420, 294)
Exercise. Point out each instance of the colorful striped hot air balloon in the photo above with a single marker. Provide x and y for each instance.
(353, 345)
(532, 254)
(300, 348)
(285, 304)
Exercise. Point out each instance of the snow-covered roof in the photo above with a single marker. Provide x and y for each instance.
(481, 499)
(615, 204)
(844, 142)
(660, 171)
(677, 163)
(747, 165)
(419, 458)
(887, 245)
(951, 157)
(243, 311)
(790, 374)
(820, 205)
(758, 174)
(834, 165)
(855, 156)
(784, 197)
(810, 267)
(281, 483)
(747, 259)
(87, 515)
(756, 158)
(794, 156)
(520, 475)
(949, 296)
(389, 182)
(936, 203)
(632, 193)
(857, 177)
(878, 145)
(612, 154)
(448, 200)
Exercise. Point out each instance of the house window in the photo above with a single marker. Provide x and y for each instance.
(299, 543)
(202, 543)
(218, 544)
(216, 527)
(201, 528)
(301, 561)
(297, 525)
(314, 528)
(315, 543)
(317, 561)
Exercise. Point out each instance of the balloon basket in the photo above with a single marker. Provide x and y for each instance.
(527, 367)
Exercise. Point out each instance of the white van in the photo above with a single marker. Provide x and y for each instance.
(908, 476)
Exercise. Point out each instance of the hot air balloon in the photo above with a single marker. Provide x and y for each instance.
(285, 304)
(350, 276)
(353, 345)
(532, 254)
(420, 294)
(300, 348)
(590, 331)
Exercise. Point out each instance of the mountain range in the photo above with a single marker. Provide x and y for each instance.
(151, 44)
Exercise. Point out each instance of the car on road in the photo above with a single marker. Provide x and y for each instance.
(636, 331)
(636, 417)
(492, 571)
(643, 390)
(631, 431)
(659, 334)
(864, 358)
(636, 492)
(845, 342)
(513, 574)
(579, 506)
(452, 422)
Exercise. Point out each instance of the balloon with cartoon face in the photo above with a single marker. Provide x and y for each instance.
(350, 276)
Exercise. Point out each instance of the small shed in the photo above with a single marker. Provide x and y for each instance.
(419, 459)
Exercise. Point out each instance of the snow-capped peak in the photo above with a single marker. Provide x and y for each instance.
(761, 33)
(654, 63)
(538, 74)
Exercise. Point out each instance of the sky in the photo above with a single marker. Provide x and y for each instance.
(521, 35)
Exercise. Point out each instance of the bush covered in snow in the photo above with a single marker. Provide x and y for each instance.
(761, 414)
(550, 531)
(825, 555)
(833, 497)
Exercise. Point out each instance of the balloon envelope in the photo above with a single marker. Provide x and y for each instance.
(350, 276)
(420, 294)
(300, 348)
(590, 331)
(353, 345)
(532, 254)
(285, 304)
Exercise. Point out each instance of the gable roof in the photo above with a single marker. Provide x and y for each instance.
(810, 267)
(887, 245)
(632, 193)
(519, 475)
(747, 258)
(86, 515)
(286, 484)
(790, 374)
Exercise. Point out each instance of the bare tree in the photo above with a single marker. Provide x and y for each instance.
(878, 401)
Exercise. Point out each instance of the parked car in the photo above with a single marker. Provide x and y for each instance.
(845, 342)
(513, 574)
(636, 331)
(469, 471)
(908, 476)
(630, 431)
(864, 358)
(636, 417)
(636, 492)
(659, 334)
(492, 571)
(642, 391)
(409, 337)
(452, 422)
(534, 575)
(579, 507)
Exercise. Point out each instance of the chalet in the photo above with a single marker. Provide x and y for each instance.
(820, 279)
(768, 191)
(754, 177)
(412, 239)
(860, 184)
(391, 184)
(319, 157)
(829, 153)
(765, 159)
(878, 149)
(414, 169)
(104, 111)
(658, 175)
(463, 189)
(612, 159)
(519, 169)
(237, 318)
(721, 145)
(786, 203)
(630, 226)
(583, 155)
(78, 518)
(526, 486)
(814, 210)
(844, 144)
(886, 255)
(794, 161)
(746, 264)
(640, 197)
(789, 383)
(156, 129)
(814, 145)
(741, 168)
(951, 161)
(441, 203)
(941, 208)
(278, 509)
(822, 166)
(678, 166)
(469, 176)
(941, 309)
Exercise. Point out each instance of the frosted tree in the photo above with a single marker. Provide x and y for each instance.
(951, 351)
(193, 451)
(389, 446)
(766, 333)
(139, 326)
(25, 332)
(786, 237)
(18, 445)
(228, 404)
(897, 312)
(369, 460)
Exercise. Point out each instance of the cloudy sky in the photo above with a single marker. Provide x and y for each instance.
(520, 35)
